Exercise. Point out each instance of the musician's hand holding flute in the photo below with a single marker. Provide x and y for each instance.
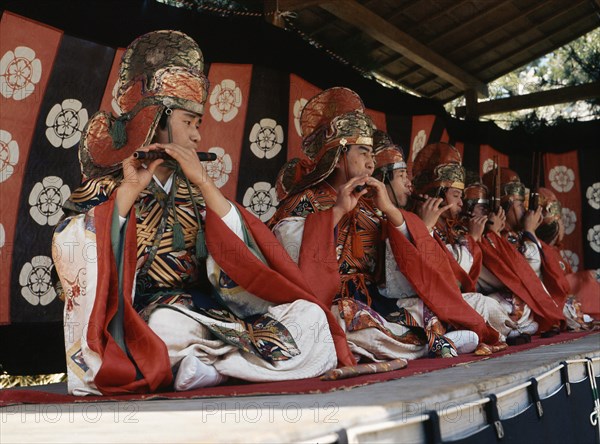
(158, 154)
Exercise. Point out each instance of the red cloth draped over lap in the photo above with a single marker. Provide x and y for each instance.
(426, 266)
(468, 281)
(554, 276)
(282, 281)
(513, 270)
(147, 353)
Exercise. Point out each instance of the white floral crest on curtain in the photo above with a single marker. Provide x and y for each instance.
(298, 107)
(65, 123)
(572, 258)
(115, 105)
(488, 165)
(266, 138)
(418, 143)
(20, 71)
(225, 100)
(593, 237)
(36, 281)
(46, 199)
(593, 195)
(261, 199)
(220, 169)
(2, 236)
(569, 219)
(9, 155)
(562, 178)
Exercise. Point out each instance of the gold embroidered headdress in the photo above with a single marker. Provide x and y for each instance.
(329, 121)
(159, 70)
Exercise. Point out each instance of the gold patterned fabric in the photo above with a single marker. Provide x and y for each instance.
(159, 70)
(438, 165)
(330, 120)
(170, 269)
(358, 236)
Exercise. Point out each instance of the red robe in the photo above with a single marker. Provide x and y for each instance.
(424, 263)
(513, 270)
(467, 281)
(145, 366)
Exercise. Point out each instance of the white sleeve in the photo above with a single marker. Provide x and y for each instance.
(532, 254)
(462, 255)
(404, 230)
(396, 284)
(289, 232)
(233, 221)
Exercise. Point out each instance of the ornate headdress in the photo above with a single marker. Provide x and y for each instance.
(388, 155)
(510, 184)
(159, 70)
(329, 121)
(438, 165)
(551, 213)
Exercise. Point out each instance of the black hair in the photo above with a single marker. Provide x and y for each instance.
(547, 232)
(162, 123)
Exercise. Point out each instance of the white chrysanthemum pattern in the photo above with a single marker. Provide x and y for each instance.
(593, 237)
(488, 165)
(572, 258)
(9, 155)
(298, 107)
(220, 169)
(569, 220)
(266, 138)
(592, 194)
(418, 143)
(225, 100)
(20, 72)
(562, 178)
(36, 281)
(65, 122)
(261, 199)
(46, 199)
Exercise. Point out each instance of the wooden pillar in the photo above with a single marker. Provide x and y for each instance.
(471, 102)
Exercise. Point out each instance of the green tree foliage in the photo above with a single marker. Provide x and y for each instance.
(576, 63)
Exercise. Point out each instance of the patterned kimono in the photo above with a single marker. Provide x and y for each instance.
(376, 328)
(147, 273)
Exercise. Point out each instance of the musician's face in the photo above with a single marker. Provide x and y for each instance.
(401, 186)
(185, 127)
(515, 212)
(359, 161)
(454, 196)
(480, 210)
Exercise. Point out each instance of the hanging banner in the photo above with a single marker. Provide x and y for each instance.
(52, 171)
(222, 127)
(300, 92)
(561, 173)
(27, 53)
(264, 146)
(486, 159)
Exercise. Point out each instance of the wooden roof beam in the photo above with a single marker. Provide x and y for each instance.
(489, 11)
(295, 5)
(535, 100)
(504, 57)
(386, 33)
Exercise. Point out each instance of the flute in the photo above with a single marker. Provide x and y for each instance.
(153, 155)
